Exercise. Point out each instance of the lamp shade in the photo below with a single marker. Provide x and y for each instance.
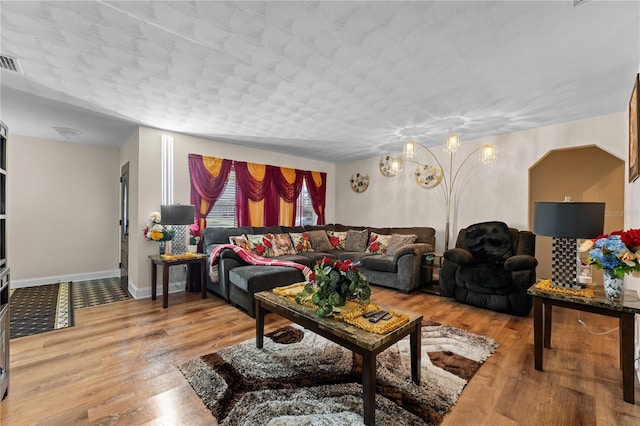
(568, 219)
(177, 214)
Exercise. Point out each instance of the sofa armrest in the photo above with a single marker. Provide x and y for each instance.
(520, 262)
(458, 255)
(414, 249)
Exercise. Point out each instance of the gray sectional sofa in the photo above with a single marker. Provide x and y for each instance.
(238, 281)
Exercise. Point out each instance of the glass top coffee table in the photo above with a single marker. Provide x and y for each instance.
(366, 344)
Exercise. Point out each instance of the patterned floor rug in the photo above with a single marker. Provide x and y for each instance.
(300, 378)
(49, 307)
(41, 308)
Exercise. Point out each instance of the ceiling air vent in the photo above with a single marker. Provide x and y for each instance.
(9, 63)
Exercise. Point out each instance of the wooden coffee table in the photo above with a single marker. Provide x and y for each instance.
(366, 344)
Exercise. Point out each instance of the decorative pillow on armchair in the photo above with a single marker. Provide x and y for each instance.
(301, 242)
(282, 245)
(337, 239)
(378, 243)
(261, 244)
(489, 241)
(240, 240)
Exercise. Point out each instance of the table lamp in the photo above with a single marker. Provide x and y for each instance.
(566, 222)
(178, 215)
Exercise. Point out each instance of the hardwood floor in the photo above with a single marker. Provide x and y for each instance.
(118, 365)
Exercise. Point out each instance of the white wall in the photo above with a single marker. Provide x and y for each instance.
(62, 211)
(494, 191)
(149, 194)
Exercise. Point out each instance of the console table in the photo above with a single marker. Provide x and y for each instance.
(166, 262)
(625, 311)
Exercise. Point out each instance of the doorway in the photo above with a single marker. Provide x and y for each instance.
(585, 174)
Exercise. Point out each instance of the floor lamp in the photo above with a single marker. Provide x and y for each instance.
(566, 222)
(178, 216)
(430, 176)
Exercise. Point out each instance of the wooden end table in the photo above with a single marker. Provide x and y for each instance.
(625, 311)
(366, 344)
(166, 263)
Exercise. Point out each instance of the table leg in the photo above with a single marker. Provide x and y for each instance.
(260, 311)
(546, 307)
(627, 342)
(154, 279)
(537, 332)
(203, 282)
(369, 387)
(165, 285)
(415, 340)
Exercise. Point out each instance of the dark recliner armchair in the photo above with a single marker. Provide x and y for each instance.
(491, 266)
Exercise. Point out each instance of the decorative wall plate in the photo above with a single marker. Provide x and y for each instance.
(386, 165)
(428, 177)
(359, 183)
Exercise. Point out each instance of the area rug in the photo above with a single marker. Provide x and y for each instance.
(97, 292)
(42, 308)
(300, 378)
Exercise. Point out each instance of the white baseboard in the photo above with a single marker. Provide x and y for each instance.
(145, 292)
(31, 282)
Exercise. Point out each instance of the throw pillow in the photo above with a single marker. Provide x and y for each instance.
(319, 240)
(261, 244)
(240, 240)
(282, 245)
(301, 242)
(378, 243)
(356, 240)
(399, 240)
(337, 239)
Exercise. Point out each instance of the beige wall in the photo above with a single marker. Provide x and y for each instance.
(584, 174)
(62, 210)
(149, 195)
(495, 191)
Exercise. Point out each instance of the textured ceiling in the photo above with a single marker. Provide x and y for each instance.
(330, 80)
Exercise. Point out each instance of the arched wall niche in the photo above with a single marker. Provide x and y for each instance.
(585, 173)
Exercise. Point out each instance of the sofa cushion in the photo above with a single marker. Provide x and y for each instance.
(484, 278)
(215, 235)
(289, 229)
(261, 244)
(356, 240)
(298, 258)
(282, 245)
(398, 240)
(267, 230)
(320, 241)
(354, 256)
(337, 239)
(301, 241)
(424, 234)
(378, 243)
(380, 262)
(314, 256)
(254, 278)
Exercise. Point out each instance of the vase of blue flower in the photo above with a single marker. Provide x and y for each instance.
(613, 285)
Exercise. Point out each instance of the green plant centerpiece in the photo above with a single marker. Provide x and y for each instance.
(332, 283)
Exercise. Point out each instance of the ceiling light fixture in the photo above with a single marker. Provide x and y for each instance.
(429, 177)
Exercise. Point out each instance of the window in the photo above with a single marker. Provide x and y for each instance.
(223, 212)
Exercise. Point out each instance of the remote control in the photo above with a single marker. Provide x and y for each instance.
(387, 317)
(370, 314)
(377, 317)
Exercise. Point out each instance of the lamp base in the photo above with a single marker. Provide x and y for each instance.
(564, 256)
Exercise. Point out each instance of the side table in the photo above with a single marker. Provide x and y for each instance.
(168, 261)
(431, 270)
